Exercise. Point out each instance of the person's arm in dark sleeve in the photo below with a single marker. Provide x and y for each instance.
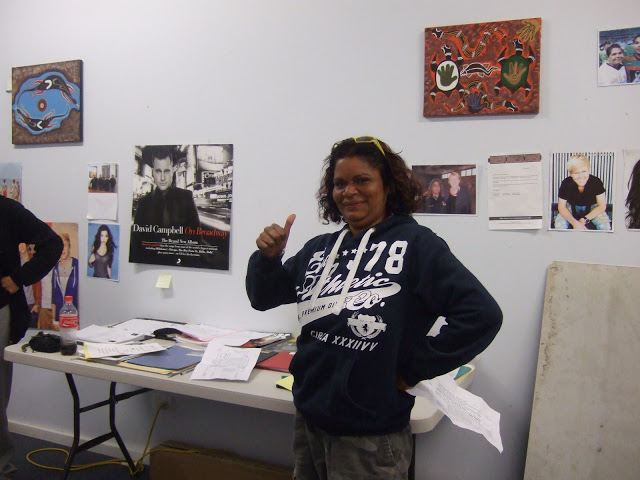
(48, 246)
(269, 284)
(473, 318)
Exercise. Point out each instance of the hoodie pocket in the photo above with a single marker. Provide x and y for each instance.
(322, 382)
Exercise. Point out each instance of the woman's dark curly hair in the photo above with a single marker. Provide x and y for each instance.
(403, 185)
(633, 198)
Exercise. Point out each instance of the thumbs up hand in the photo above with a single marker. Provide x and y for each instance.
(273, 239)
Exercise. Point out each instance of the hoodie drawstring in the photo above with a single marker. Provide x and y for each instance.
(327, 267)
(352, 272)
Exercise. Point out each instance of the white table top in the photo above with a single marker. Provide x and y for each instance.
(258, 392)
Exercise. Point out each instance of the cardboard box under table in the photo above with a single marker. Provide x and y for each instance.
(173, 460)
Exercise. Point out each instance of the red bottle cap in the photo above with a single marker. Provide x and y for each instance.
(68, 298)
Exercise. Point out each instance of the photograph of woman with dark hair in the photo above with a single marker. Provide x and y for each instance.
(633, 198)
(102, 251)
(434, 201)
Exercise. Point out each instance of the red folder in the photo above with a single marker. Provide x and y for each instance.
(279, 362)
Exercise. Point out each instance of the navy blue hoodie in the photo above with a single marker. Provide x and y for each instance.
(19, 225)
(365, 304)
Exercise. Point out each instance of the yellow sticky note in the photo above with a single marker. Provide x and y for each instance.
(164, 280)
(286, 382)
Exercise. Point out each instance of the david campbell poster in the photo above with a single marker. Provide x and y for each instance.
(181, 212)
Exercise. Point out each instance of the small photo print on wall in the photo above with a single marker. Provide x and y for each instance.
(103, 191)
(11, 181)
(47, 103)
(488, 68)
(619, 57)
(448, 189)
(103, 250)
(632, 188)
(582, 191)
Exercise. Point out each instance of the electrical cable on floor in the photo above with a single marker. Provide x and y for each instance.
(139, 465)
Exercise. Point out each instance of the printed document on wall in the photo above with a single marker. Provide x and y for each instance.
(515, 192)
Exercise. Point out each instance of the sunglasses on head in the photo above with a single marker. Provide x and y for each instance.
(367, 139)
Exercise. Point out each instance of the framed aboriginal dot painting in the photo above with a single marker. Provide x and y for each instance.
(482, 69)
(47, 103)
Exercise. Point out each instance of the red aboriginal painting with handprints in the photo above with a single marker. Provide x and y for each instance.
(482, 69)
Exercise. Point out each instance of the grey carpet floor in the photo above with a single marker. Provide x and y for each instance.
(27, 471)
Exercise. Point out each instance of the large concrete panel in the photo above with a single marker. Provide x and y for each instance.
(585, 420)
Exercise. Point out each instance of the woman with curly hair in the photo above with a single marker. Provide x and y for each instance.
(633, 198)
(434, 200)
(367, 295)
(102, 251)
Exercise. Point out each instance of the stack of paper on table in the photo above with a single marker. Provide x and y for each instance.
(116, 352)
(221, 363)
(268, 339)
(131, 330)
(100, 334)
(200, 334)
(175, 359)
(145, 326)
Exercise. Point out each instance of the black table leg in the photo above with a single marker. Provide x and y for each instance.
(77, 410)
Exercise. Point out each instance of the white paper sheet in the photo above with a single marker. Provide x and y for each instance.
(210, 333)
(205, 333)
(227, 363)
(102, 206)
(463, 408)
(101, 334)
(101, 350)
(515, 195)
(144, 326)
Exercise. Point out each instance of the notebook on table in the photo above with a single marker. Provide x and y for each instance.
(174, 359)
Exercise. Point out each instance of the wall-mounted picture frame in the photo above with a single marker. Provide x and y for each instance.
(582, 187)
(11, 181)
(103, 250)
(449, 189)
(47, 103)
(482, 69)
(619, 57)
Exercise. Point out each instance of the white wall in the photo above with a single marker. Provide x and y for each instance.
(282, 80)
